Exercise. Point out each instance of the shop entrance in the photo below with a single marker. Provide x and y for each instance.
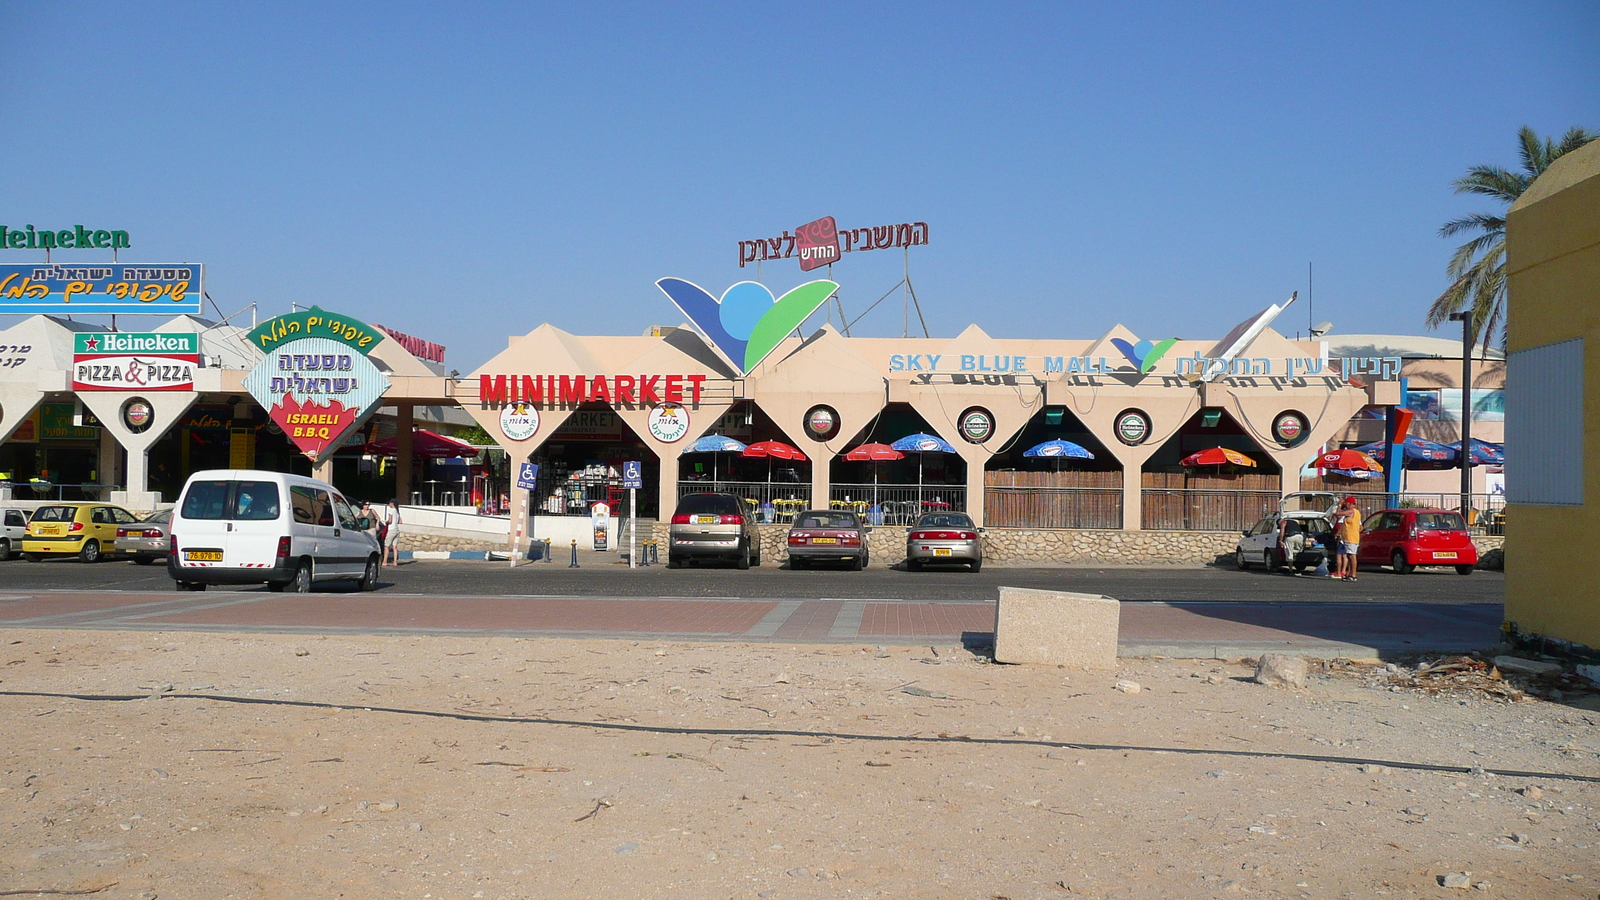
(581, 464)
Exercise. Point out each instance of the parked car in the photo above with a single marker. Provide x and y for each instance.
(85, 530)
(820, 535)
(1312, 512)
(147, 540)
(244, 526)
(13, 525)
(1408, 538)
(713, 526)
(942, 538)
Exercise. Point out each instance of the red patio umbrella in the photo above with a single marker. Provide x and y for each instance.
(873, 453)
(1349, 460)
(1217, 456)
(425, 445)
(773, 450)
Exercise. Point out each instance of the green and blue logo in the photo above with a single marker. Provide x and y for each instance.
(748, 323)
(1144, 355)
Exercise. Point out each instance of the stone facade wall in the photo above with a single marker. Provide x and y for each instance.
(887, 545)
(414, 538)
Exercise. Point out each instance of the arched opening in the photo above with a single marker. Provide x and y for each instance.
(1221, 496)
(580, 464)
(895, 491)
(762, 469)
(1053, 491)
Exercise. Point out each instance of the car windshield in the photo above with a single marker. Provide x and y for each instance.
(827, 520)
(944, 520)
(160, 518)
(55, 514)
(1440, 521)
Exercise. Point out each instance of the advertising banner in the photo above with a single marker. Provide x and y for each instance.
(318, 389)
(124, 361)
(113, 288)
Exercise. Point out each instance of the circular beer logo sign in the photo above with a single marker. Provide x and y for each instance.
(1133, 427)
(1289, 428)
(822, 422)
(977, 425)
(669, 422)
(519, 421)
(137, 414)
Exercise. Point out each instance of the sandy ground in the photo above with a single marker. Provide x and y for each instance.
(810, 788)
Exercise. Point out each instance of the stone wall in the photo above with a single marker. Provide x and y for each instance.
(887, 545)
(413, 537)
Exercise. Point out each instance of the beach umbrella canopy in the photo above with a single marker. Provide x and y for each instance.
(1342, 461)
(1058, 449)
(774, 450)
(1417, 453)
(1483, 453)
(1217, 456)
(715, 443)
(873, 453)
(425, 445)
(923, 443)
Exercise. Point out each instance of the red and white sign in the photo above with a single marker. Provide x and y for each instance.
(416, 346)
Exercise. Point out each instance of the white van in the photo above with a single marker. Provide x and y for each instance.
(244, 526)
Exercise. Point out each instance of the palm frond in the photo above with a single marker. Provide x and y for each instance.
(1574, 138)
(1465, 256)
(1491, 224)
(1492, 181)
(1535, 153)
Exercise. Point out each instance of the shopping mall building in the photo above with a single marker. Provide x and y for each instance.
(580, 406)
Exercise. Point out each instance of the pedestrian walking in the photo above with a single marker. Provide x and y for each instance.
(389, 533)
(1347, 530)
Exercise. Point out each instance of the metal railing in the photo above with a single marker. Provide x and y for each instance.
(1176, 509)
(897, 504)
(1052, 507)
(1487, 516)
(774, 501)
(46, 490)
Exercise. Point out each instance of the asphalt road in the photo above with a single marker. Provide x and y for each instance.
(602, 577)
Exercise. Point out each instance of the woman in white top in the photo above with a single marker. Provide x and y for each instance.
(390, 521)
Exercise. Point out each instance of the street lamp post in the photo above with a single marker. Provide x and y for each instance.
(1465, 318)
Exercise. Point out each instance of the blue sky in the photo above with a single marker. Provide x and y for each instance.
(467, 171)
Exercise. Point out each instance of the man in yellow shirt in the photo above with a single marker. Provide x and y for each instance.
(1347, 530)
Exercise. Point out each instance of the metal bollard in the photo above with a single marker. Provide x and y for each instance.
(547, 558)
(644, 552)
(655, 554)
(574, 563)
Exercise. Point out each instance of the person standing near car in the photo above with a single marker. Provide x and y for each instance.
(389, 533)
(1347, 529)
(1292, 538)
(373, 527)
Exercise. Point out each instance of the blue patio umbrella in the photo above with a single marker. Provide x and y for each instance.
(1058, 449)
(1418, 453)
(714, 444)
(1484, 453)
(919, 444)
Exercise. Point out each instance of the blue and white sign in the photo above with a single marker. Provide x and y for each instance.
(99, 289)
(633, 475)
(528, 477)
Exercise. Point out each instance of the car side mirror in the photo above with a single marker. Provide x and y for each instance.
(983, 531)
(1245, 532)
(867, 530)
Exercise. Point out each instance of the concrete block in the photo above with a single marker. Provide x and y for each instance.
(1056, 628)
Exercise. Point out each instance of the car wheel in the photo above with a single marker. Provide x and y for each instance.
(796, 564)
(33, 557)
(196, 586)
(90, 552)
(1401, 567)
(143, 560)
(977, 565)
(300, 581)
(5, 548)
(1268, 561)
(913, 565)
(756, 559)
(1239, 559)
(743, 562)
(277, 587)
(369, 578)
(1464, 570)
(859, 563)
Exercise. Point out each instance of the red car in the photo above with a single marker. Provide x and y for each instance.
(1408, 538)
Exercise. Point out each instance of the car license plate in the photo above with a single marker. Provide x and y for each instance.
(941, 551)
(203, 555)
(1445, 555)
(50, 529)
(705, 520)
(824, 540)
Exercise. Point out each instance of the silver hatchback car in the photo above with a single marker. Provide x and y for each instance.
(713, 526)
(944, 537)
(148, 540)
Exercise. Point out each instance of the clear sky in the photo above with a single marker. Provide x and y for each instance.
(467, 171)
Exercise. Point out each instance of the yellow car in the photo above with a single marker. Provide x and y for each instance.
(88, 530)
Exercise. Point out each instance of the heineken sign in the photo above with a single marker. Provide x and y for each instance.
(134, 361)
(74, 238)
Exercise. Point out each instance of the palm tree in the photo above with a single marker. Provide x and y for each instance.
(1478, 268)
